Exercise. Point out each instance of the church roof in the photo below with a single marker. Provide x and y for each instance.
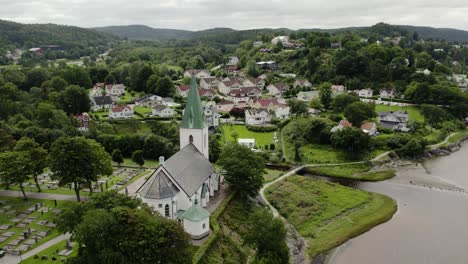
(189, 168)
(158, 186)
(195, 213)
(193, 113)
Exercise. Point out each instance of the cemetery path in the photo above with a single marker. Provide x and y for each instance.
(36, 195)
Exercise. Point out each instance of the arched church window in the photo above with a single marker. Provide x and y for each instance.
(190, 139)
(166, 210)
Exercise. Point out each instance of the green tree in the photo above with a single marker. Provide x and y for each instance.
(142, 77)
(36, 76)
(35, 157)
(137, 157)
(244, 169)
(325, 94)
(214, 148)
(152, 84)
(74, 100)
(78, 161)
(341, 101)
(14, 169)
(111, 228)
(57, 84)
(358, 112)
(117, 156)
(268, 236)
(413, 148)
(77, 76)
(434, 115)
(316, 104)
(352, 140)
(165, 87)
(110, 79)
(252, 69)
(297, 107)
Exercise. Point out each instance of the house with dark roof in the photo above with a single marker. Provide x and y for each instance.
(162, 111)
(181, 187)
(394, 120)
(277, 89)
(101, 102)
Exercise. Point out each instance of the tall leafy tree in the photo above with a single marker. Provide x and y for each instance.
(358, 112)
(110, 79)
(244, 169)
(351, 140)
(14, 169)
(137, 157)
(74, 100)
(35, 157)
(341, 101)
(117, 156)
(325, 94)
(297, 107)
(78, 161)
(214, 148)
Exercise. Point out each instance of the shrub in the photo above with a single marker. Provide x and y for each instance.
(271, 128)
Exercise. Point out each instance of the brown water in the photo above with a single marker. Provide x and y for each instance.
(431, 225)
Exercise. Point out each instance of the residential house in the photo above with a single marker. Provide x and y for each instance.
(365, 93)
(302, 83)
(248, 142)
(307, 96)
(267, 65)
(258, 43)
(225, 87)
(200, 74)
(83, 120)
(233, 61)
(209, 83)
(338, 89)
(268, 103)
(259, 82)
(101, 102)
(233, 70)
(211, 113)
(183, 90)
(343, 124)
(277, 89)
(115, 90)
(121, 112)
(282, 112)
(369, 128)
(96, 91)
(163, 111)
(148, 100)
(394, 120)
(209, 93)
(461, 80)
(387, 93)
(169, 102)
(243, 94)
(280, 39)
(258, 116)
(225, 106)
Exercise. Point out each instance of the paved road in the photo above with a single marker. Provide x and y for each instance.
(36, 195)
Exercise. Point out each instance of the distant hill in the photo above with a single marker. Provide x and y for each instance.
(29, 35)
(139, 32)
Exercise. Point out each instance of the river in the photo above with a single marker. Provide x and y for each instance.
(431, 224)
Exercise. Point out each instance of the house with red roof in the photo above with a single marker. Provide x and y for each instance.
(200, 74)
(210, 93)
(369, 128)
(225, 87)
(115, 90)
(182, 90)
(209, 83)
(83, 120)
(337, 89)
(121, 112)
(277, 89)
(343, 124)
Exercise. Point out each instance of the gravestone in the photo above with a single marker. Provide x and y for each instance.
(4, 227)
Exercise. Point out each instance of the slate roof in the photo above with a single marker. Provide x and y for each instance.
(158, 186)
(159, 108)
(189, 168)
(103, 100)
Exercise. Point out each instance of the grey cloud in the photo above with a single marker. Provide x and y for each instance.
(240, 14)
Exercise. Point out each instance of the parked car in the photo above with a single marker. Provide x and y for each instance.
(2, 253)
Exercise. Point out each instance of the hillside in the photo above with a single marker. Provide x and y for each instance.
(28, 35)
(139, 32)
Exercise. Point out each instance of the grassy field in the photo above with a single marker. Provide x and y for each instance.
(271, 174)
(142, 110)
(328, 214)
(354, 171)
(148, 163)
(20, 206)
(413, 111)
(131, 127)
(261, 139)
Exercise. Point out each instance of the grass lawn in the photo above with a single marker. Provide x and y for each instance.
(142, 110)
(413, 111)
(354, 171)
(128, 98)
(261, 139)
(271, 174)
(328, 214)
(458, 137)
(20, 205)
(148, 163)
(131, 126)
(50, 253)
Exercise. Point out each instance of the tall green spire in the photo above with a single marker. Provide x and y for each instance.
(194, 117)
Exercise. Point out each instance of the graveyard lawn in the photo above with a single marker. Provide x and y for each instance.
(328, 214)
(120, 178)
(261, 138)
(50, 253)
(15, 220)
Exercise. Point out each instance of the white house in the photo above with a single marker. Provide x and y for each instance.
(162, 111)
(121, 112)
(244, 94)
(96, 91)
(302, 83)
(337, 89)
(225, 106)
(209, 93)
(257, 116)
(181, 187)
(209, 83)
(148, 100)
(225, 87)
(182, 90)
(307, 96)
(169, 102)
(115, 90)
(282, 112)
(280, 39)
(387, 93)
(101, 102)
(277, 89)
(232, 61)
(248, 142)
(365, 93)
(343, 123)
(369, 128)
(200, 74)
(211, 113)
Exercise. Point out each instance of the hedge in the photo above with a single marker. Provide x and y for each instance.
(262, 128)
(215, 226)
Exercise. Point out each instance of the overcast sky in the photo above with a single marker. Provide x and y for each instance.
(238, 14)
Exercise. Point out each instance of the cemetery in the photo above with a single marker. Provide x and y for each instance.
(26, 224)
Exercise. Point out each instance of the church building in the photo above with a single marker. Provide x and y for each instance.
(181, 187)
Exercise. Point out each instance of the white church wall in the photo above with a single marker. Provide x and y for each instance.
(200, 139)
(197, 229)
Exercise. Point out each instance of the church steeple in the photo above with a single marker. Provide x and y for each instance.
(194, 117)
